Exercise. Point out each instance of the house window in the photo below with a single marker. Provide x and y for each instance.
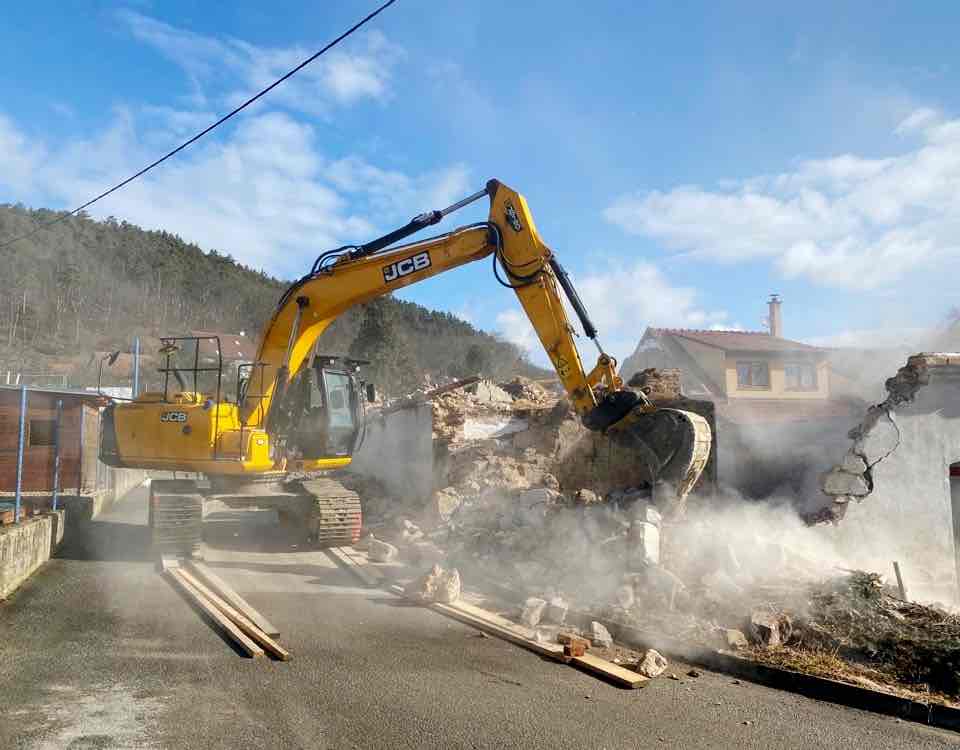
(42, 431)
(753, 375)
(800, 376)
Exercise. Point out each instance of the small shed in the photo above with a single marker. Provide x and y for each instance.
(76, 441)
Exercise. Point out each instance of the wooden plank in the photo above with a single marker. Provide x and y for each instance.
(250, 648)
(168, 562)
(238, 619)
(610, 671)
(493, 624)
(900, 586)
(356, 566)
(223, 589)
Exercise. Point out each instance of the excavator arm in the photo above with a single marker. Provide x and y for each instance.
(673, 444)
(355, 275)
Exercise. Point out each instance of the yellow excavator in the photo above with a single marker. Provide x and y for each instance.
(298, 413)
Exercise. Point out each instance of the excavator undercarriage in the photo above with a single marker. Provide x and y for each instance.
(330, 513)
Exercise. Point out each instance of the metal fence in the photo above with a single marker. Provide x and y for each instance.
(21, 446)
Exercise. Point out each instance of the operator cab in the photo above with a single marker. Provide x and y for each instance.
(325, 408)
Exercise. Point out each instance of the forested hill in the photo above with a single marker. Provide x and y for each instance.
(84, 286)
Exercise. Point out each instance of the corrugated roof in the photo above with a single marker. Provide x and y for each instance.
(739, 341)
(89, 396)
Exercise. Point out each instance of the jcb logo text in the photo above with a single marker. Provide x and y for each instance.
(406, 266)
(173, 416)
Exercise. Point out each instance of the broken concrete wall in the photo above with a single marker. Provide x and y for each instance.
(397, 450)
(898, 466)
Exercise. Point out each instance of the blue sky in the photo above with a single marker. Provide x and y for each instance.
(683, 162)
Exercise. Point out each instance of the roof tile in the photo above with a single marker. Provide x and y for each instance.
(746, 341)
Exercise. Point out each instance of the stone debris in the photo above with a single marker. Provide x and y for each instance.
(532, 612)
(556, 611)
(735, 639)
(645, 542)
(599, 635)
(653, 664)
(839, 481)
(381, 552)
(436, 585)
(657, 384)
(770, 629)
(450, 588)
(446, 502)
(585, 497)
(486, 392)
(410, 531)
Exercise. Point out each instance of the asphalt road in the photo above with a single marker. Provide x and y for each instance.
(99, 651)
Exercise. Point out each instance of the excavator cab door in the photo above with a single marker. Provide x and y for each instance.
(341, 411)
(323, 411)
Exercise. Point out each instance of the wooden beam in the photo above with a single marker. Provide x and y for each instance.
(900, 586)
(223, 589)
(493, 624)
(250, 648)
(348, 559)
(238, 619)
(610, 671)
(411, 402)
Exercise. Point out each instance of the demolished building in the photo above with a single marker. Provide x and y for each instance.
(778, 420)
(897, 487)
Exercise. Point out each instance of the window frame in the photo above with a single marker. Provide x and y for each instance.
(31, 422)
(751, 386)
(800, 387)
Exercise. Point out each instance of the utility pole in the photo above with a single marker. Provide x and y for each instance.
(136, 366)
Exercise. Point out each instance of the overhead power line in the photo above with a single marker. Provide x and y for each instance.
(198, 136)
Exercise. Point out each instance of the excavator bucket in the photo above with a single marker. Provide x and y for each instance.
(675, 447)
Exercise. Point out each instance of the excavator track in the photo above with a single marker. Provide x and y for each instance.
(675, 446)
(335, 517)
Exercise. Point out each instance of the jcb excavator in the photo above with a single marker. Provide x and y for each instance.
(295, 413)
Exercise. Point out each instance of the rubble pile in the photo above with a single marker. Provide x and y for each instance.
(524, 502)
(860, 618)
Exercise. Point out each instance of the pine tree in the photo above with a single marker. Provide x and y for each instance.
(477, 360)
(379, 340)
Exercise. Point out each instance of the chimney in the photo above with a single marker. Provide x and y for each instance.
(775, 320)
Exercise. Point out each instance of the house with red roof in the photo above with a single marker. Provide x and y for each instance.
(775, 407)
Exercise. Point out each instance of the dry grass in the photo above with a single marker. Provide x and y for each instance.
(831, 666)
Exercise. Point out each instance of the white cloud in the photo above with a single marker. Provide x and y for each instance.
(846, 221)
(266, 194)
(19, 158)
(235, 69)
(393, 191)
(622, 301)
